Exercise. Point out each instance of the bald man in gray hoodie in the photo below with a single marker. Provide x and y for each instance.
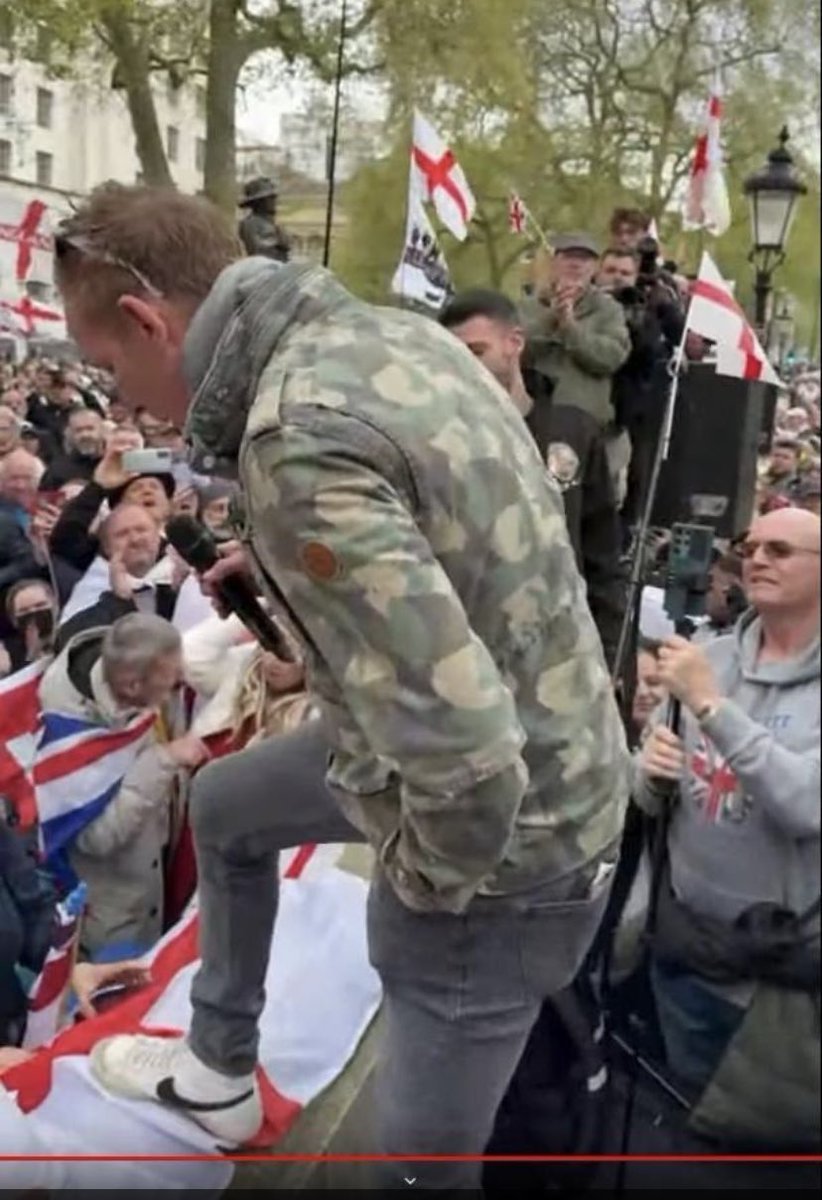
(745, 824)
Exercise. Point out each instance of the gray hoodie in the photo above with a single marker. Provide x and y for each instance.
(746, 828)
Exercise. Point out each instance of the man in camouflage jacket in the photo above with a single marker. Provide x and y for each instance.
(398, 517)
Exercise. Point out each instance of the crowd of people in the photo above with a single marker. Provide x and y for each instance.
(90, 586)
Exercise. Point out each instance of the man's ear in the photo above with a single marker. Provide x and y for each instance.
(518, 338)
(145, 316)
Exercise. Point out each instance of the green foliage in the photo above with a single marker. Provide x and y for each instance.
(582, 105)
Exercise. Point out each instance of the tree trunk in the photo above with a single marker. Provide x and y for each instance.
(131, 56)
(225, 60)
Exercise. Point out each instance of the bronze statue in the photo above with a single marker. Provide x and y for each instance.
(259, 231)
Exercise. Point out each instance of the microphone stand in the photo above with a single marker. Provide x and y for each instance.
(637, 572)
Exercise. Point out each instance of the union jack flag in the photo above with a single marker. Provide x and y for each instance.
(57, 770)
(49, 990)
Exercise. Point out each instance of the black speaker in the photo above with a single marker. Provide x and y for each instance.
(709, 476)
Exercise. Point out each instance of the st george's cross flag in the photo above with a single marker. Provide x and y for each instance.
(714, 314)
(26, 244)
(320, 996)
(56, 770)
(706, 203)
(439, 178)
(517, 214)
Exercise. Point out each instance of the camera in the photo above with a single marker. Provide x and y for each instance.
(648, 254)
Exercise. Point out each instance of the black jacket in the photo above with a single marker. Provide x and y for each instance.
(70, 539)
(27, 903)
(67, 467)
(639, 386)
(572, 445)
(108, 609)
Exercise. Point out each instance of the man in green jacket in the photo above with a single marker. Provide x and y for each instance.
(578, 337)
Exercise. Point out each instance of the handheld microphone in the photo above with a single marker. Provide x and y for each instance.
(197, 547)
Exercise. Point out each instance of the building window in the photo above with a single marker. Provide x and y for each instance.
(43, 44)
(6, 94)
(45, 168)
(199, 154)
(45, 107)
(172, 143)
(6, 27)
(5, 158)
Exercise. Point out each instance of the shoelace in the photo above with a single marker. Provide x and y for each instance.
(155, 1053)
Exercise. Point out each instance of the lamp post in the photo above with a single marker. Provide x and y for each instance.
(772, 193)
(782, 324)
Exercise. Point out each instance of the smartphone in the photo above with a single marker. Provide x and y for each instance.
(148, 462)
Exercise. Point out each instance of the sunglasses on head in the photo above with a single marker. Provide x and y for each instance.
(772, 548)
(65, 241)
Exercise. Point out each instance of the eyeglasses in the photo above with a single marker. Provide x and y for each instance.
(773, 548)
(65, 241)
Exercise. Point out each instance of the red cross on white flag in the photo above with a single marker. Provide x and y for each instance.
(29, 235)
(22, 316)
(715, 314)
(706, 204)
(517, 214)
(441, 179)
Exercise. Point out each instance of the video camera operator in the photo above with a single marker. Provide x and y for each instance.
(655, 318)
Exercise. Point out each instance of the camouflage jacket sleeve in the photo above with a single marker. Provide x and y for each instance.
(342, 545)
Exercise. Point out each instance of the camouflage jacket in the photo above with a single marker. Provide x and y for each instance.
(264, 237)
(399, 514)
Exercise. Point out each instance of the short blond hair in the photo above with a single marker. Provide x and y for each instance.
(137, 239)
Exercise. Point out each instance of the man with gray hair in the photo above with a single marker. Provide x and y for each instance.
(110, 675)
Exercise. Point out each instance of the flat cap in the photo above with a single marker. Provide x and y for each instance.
(582, 243)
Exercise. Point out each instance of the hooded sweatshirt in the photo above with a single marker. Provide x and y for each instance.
(746, 828)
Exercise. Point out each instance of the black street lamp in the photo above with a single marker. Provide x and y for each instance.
(773, 192)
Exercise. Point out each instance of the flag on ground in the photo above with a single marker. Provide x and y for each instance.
(714, 314)
(321, 994)
(422, 273)
(58, 770)
(706, 204)
(517, 214)
(440, 179)
(49, 991)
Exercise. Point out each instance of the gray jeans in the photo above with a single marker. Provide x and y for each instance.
(461, 993)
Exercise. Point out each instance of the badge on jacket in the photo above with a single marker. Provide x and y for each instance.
(563, 465)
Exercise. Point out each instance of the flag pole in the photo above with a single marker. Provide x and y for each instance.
(638, 557)
(538, 230)
(335, 129)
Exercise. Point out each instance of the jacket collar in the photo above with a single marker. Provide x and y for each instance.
(230, 340)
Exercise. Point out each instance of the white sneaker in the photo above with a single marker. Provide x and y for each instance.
(166, 1069)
